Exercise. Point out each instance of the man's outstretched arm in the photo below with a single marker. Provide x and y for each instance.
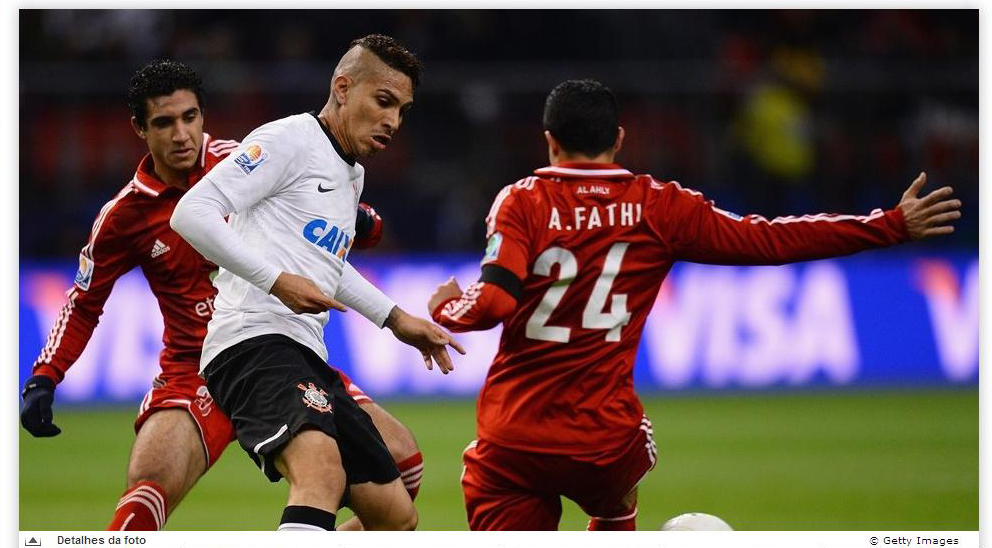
(483, 304)
(358, 293)
(930, 215)
(421, 334)
(106, 257)
(702, 233)
(494, 297)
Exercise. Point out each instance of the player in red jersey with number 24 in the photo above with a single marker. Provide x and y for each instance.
(575, 258)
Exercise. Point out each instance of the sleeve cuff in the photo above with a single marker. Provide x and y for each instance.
(436, 313)
(268, 279)
(379, 311)
(899, 221)
(357, 293)
(49, 372)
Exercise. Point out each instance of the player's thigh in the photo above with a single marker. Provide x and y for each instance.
(383, 507)
(311, 464)
(311, 457)
(610, 491)
(630, 499)
(497, 499)
(169, 451)
(604, 501)
(399, 439)
(611, 508)
(508, 510)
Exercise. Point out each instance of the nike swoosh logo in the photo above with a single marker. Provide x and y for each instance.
(322, 189)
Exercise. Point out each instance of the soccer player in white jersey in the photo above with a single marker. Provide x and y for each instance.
(290, 192)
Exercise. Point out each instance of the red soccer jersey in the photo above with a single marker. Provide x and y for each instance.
(592, 244)
(132, 230)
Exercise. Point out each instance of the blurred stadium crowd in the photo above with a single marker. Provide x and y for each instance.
(771, 112)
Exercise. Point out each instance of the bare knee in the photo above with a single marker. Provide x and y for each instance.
(144, 469)
(398, 438)
(411, 521)
(405, 518)
(169, 452)
(402, 519)
(630, 499)
(384, 507)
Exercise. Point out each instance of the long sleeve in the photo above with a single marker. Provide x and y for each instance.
(703, 233)
(106, 257)
(266, 162)
(482, 306)
(199, 219)
(357, 293)
(493, 298)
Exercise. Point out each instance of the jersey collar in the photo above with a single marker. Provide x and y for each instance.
(584, 170)
(350, 160)
(147, 182)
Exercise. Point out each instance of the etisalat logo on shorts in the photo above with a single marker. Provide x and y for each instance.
(315, 398)
(252, 157)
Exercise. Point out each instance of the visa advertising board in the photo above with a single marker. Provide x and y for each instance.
(879, 319)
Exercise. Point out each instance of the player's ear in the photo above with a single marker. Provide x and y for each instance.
(140, 131)
(554, 149)
(619, 143)
(339, 88)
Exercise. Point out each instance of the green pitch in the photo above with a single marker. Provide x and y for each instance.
(860, 460)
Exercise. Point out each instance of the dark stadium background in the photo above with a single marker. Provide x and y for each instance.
(879, 95)
(766, 111)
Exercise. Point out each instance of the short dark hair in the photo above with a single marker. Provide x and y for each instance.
(157, 78)
(393, 54)
(582, 116)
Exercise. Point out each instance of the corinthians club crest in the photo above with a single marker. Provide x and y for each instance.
(315, 398)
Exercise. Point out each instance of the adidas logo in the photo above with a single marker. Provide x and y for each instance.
(159, 248)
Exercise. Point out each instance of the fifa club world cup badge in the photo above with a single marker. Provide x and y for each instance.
(315, 398)
(252, 157)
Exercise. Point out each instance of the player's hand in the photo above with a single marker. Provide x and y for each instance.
(302, 296)
(430, 339)
(447, 290)
(931, 214)
(36, 411)
(368, 227)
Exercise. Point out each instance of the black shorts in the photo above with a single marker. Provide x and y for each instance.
(272, 387)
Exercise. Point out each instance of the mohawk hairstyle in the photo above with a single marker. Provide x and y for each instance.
(157, 78)
(393, 54)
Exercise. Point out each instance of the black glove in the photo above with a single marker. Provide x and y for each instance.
(36, 411)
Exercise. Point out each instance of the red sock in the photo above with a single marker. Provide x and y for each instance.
(411, 470)
(142, 508)
(627, 522)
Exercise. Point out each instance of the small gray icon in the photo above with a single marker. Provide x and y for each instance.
(33, 541)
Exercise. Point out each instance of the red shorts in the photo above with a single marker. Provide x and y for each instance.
(353, 390)
(189, 391)
(510, 490)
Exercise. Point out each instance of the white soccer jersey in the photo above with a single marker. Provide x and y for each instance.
(291, 195)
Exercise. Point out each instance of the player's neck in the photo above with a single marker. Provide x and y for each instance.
(568, 157)
(329, 118)
(170, 177)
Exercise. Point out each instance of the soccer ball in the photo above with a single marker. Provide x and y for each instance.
(696, 521)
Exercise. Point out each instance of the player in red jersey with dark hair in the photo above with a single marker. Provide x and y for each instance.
(575, 258)
(180, 432)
